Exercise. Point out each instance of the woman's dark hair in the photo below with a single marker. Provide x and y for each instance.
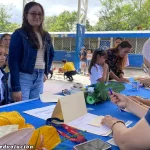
(29, 29)
(3, 36)
(64, 60)
(122, 61)
(97, 52)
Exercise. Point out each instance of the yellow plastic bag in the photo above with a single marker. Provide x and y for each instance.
(11, 118)
(45, 137)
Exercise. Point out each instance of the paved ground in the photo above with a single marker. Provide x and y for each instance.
(58, 83)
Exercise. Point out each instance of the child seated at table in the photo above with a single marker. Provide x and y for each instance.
(68, 69)
(98, 69)
(4, 94)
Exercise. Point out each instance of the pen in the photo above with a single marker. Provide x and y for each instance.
(110, 91)
(117, 105)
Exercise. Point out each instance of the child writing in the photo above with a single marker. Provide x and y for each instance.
(4, 94)
(98, 69)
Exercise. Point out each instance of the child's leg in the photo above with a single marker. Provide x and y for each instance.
(84, 68)
(67, 74)
(80, 67)
(51, 73)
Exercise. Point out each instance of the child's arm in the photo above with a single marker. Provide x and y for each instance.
(141, 100)
(113, 76)
(105, 72)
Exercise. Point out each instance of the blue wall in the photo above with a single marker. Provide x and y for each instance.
(135, 60)
(60, 55)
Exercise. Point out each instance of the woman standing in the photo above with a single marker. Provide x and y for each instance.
(117, 60)
(30, 55)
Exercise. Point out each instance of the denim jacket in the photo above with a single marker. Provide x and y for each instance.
(22, 56)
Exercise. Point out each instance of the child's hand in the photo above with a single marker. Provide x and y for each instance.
(45, 78)
(105, 66)
(124, 80)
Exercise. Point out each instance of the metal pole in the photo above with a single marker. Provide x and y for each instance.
(111, 42)
(86, 8)
(25, 2)
(70, 44)
(98, 43)
(79, 11)
(136, 46)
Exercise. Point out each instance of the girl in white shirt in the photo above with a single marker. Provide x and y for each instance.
(89, 56)
(98, 69)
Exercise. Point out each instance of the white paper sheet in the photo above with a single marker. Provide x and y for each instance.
(97, 121)
(48, 97)
(20, 137)
(42, 113)
(4, 130)
(82, 123)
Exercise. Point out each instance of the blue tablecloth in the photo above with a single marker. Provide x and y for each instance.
(106, 108)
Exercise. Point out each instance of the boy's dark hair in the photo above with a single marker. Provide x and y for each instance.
(3, 36)
(64, 60)
(119, 38)
(97, 52)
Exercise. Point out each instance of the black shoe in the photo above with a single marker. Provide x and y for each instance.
(71, 80)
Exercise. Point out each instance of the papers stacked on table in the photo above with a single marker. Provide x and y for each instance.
(11, 136)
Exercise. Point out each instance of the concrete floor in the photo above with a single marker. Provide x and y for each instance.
(58, 83)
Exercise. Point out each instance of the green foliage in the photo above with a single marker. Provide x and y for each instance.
(100, 93)
(118, 15)
(5, 25)
(65, 22)
(49, 22)
(114, 15)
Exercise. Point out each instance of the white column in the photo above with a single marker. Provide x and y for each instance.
(82, 11)
(111, 42)
(26, 1)
(98, 43)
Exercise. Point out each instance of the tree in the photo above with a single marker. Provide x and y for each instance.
(5, 25)
(123, 15)
(88, 26)
(65, 22)
(49, 22)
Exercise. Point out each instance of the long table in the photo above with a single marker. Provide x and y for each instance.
(106, 108)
